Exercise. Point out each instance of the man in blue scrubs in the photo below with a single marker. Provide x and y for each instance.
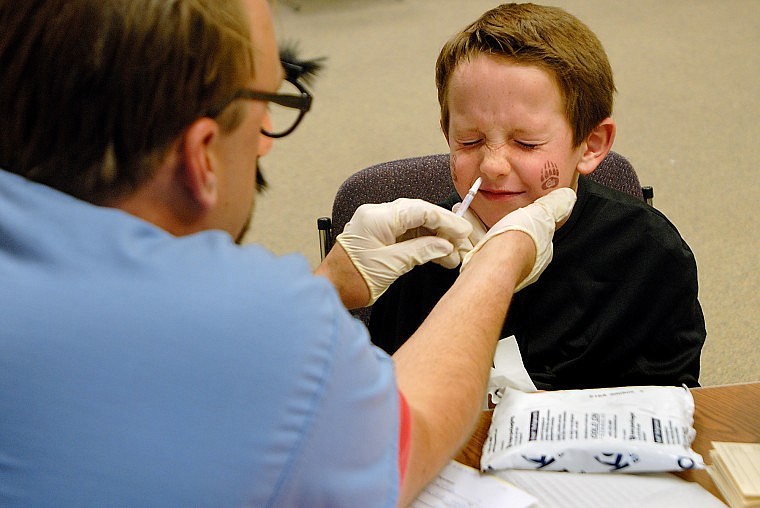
(146, 359)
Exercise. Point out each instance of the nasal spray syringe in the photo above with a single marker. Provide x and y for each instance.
(468, 198)
(414, 233)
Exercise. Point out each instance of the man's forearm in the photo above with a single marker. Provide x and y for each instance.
(339, 270)
(442, 370)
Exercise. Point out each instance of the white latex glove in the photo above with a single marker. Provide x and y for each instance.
(538, 220)
(373, 240)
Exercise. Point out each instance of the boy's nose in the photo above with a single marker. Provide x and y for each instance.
(495, 161)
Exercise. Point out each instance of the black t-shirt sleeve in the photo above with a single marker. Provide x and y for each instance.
(398, 313)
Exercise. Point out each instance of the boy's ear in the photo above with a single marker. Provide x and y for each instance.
(198, 166)
(596, 146)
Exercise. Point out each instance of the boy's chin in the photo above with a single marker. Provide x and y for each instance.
(493, 216)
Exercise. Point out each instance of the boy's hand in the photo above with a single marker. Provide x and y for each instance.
(538, 220)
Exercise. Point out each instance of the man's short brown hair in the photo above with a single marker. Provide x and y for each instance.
(93, 92)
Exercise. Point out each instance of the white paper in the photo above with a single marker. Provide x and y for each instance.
(508, 370)
(460, 486)
(571, 490)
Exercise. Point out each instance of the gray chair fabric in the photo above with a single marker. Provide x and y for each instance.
(425, 177)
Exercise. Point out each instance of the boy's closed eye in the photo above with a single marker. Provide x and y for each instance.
(527, 145)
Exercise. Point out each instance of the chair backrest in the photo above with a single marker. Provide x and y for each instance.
(429, 178)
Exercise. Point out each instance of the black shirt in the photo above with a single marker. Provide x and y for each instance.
(617, 306)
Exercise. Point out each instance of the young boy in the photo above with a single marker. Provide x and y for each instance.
(526, 97)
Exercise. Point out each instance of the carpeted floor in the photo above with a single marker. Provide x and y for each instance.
(687, 109)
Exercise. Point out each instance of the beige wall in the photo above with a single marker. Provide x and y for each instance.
(688, 77)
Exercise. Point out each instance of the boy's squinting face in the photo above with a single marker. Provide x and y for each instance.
(507, 125)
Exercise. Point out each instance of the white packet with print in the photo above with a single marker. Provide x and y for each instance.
(631, 429)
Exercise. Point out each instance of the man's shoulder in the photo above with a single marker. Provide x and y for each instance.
(275, 288)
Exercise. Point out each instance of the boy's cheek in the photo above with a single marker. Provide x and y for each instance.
(549, 176)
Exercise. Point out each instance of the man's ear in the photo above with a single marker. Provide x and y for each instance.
(597, 145)
(198, 166)
(445, 132)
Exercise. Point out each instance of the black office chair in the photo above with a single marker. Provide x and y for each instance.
(428, 177)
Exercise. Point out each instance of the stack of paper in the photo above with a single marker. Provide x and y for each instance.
(554, 489)
(460, 486)
(736, 472)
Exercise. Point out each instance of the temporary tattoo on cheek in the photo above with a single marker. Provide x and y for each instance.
(549, 176)
(453, 166)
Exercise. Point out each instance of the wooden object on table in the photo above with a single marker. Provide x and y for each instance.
(736, 472)
(721, 413)
(470, 454)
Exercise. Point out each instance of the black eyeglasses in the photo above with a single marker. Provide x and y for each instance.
(293, 99)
